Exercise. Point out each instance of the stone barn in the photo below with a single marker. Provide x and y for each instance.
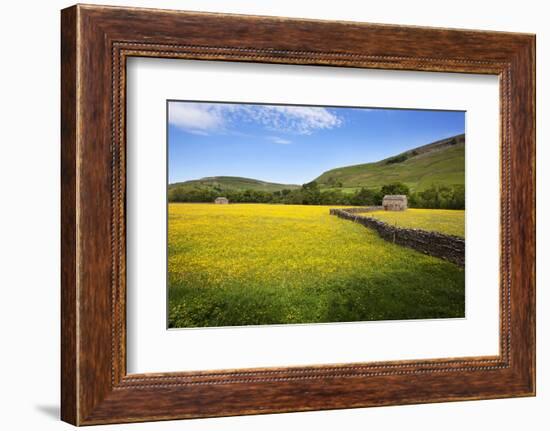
(221, 200)
(394, 202)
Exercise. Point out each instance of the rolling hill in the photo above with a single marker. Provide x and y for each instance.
(441, 162)
(221, 184)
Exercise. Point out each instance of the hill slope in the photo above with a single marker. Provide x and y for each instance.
(441, 162)
(221, 184)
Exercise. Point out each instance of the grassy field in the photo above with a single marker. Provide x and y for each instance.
(444, 167)
(450, 222)
(252, 264)
(232, 183)
(424, 166)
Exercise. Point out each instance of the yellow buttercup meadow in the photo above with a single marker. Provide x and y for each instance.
(251, 264)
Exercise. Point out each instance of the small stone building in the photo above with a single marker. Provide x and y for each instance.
(394, 202)
(221, 200)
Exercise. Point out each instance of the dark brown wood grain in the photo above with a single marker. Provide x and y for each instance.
(68, 217)
(96, 41)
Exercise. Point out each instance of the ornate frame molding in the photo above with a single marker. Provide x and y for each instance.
(96, 41)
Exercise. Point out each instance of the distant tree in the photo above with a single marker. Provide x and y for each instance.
(459, 197)
(395, 189)
(180, 194)
(296, 197)
(311, 186)
(436, 196)
(397, 159)
(430, 198)
(440, 196)
(285, 191)
(364, 196)
(413, 200)
(311, 193)
(334, 197)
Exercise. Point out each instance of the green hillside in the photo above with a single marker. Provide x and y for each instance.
(440, 162)
(221, 184)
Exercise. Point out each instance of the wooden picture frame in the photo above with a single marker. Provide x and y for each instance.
(95, 43)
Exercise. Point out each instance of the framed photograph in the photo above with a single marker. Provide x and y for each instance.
(264, 214)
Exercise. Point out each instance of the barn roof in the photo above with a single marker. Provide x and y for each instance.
(395, 197)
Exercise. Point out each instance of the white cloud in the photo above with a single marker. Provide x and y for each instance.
(205, 118)
(277, 140)
(302, 120)
(198, 118)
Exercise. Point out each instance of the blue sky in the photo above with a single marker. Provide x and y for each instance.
(292, 144)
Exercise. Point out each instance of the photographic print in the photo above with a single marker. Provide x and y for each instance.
(295, 214)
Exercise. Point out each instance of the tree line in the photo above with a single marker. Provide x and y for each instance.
(436, 196)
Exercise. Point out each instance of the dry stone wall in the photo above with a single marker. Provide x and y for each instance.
(448, 247)
(356, 210)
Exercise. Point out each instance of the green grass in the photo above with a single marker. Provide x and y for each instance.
(450, 222)
(437, 163)
(232, 184)
(443, 166)
(254, 264)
